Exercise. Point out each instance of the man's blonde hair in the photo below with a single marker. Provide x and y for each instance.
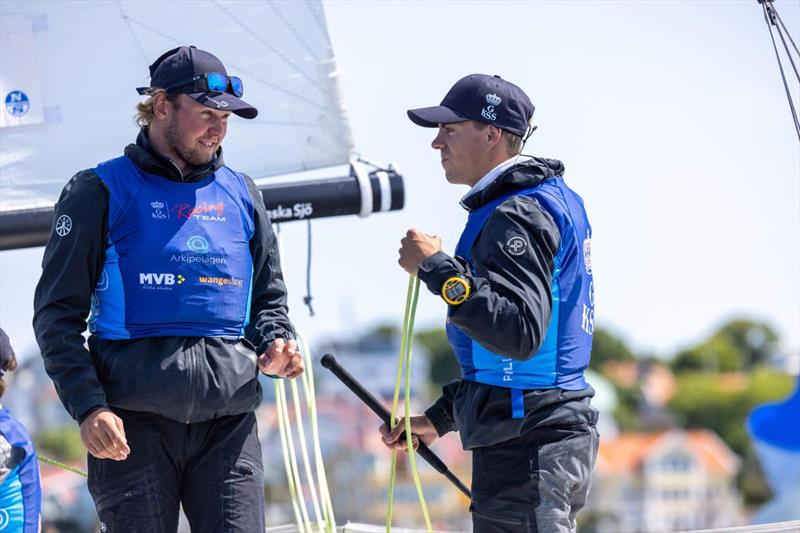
(144, 110)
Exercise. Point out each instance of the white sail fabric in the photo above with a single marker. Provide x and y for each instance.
(69, 69)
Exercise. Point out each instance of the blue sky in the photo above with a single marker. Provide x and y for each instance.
(671, 120)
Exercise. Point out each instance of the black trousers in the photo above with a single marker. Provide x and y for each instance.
(534, 483)
(213, 469)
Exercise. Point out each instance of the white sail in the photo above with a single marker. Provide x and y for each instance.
(69, 69)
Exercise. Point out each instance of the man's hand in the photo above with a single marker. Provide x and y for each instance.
(281, 359)
(103, 435)
(421, 428)
(415, 247)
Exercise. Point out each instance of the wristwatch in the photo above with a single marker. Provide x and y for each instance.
(456, 290)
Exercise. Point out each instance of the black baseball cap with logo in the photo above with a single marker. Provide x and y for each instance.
(200, 75)
(480, 97)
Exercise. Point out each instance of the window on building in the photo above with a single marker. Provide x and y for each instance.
(676, 462)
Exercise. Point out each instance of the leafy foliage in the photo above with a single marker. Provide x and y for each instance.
(606, 346)
(444, 364)
(738, 345)
(61, 444)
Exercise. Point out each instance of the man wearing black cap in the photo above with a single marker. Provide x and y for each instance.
(520, 314)
(170, 254)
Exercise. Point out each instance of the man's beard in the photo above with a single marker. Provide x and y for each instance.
(190, 155)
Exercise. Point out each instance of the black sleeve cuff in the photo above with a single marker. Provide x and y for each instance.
(267, 339)
(89, 411)
(437, 269)
(440, 415)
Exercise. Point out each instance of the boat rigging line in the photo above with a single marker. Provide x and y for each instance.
(772, 18)
(404, 374)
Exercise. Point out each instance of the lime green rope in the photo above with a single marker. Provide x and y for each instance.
(298, 413)
(288, 455)
(404, 372)
(53, 462)
(407, 408)
(395, 401)
(293, 459)
(311, 400)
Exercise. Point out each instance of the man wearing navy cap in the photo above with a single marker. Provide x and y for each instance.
(520, 316)
(170, 254)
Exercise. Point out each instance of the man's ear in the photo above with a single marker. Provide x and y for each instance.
(493, 135)
(161, 106)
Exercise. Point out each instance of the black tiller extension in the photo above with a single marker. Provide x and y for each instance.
(329, 362)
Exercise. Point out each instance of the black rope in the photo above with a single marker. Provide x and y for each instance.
(789, 35)
(307, 298)
(769, 11)
(785, 46)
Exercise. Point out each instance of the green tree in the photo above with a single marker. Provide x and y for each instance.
(62, 444)
(757, 341)
(739, 344)
(444, 365)
(606, 346)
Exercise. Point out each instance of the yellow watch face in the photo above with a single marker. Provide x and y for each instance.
(455, 291)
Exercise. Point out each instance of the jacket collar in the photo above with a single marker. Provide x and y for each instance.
(523, 175)
(149, 160)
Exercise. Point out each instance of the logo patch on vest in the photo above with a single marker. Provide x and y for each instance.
(161, 281)
(159, 213)
(516, 246)
(203, 211)
(587, 252)
(198, 244)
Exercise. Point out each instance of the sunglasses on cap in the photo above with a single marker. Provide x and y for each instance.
(214, 82)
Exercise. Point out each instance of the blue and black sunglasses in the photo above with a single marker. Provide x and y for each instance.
(214, 82)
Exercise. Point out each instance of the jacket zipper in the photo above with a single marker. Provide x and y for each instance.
(190, 365)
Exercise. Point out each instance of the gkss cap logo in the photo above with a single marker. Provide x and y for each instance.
(63, 225)
(488, 112)
(516, 246)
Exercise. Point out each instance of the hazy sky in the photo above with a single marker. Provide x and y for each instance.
(671, 120)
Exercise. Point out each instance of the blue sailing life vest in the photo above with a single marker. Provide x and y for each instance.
(564, 353)
(20, 492)
(178, 259)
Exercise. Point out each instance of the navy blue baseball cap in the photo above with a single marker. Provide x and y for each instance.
(483, 98)
(183, 69)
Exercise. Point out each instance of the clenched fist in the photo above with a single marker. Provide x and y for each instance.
(415, 247)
